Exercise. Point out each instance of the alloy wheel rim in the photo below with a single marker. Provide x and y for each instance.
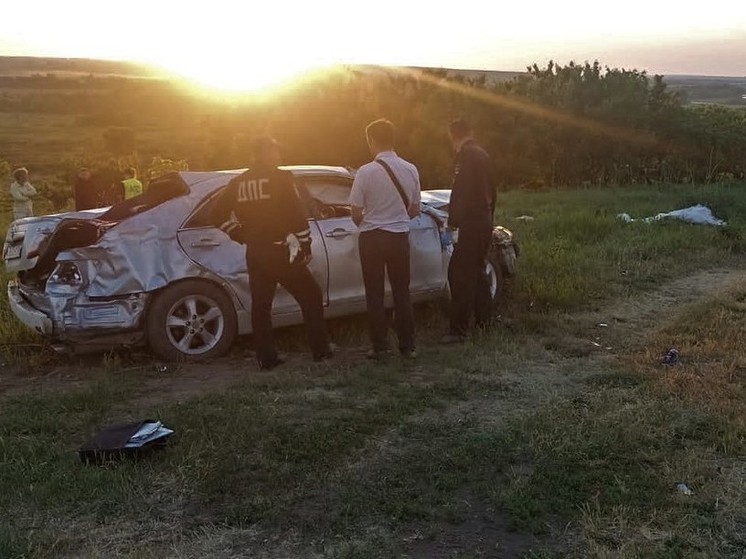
(194, 324)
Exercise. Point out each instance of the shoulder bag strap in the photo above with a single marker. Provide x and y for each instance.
(396, 182)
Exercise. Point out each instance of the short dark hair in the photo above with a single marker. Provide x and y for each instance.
(459, 129)
(381, 131)
(131, 171)
(261, 144)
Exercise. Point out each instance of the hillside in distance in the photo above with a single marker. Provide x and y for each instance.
(717, 90)
(720, 90)
(26, 66)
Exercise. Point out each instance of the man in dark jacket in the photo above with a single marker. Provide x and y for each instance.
(85, 191)
(274, 228)
(97, 190)
(471, 211)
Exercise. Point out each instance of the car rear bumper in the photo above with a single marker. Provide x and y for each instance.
(30, 316)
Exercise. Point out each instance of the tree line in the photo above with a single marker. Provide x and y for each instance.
(553, 126)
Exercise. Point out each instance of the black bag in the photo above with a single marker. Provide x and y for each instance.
(113, 443)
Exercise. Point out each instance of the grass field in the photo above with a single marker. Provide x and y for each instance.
(550, 436)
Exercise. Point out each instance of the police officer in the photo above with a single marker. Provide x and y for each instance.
(275, 230)
(471, 211)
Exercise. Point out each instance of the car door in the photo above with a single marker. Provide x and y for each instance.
(211, 248)
(425, 256)
(327, 198)
(329, 203)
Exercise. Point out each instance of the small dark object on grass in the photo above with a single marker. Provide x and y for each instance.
(127, 440)
(672, 357)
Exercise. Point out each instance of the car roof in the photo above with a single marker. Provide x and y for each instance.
(319, 170)
(193, 177)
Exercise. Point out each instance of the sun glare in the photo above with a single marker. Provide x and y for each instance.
(226, 78)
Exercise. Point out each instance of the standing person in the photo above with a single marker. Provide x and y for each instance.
(22, 193)
(108, 181)
(472, 207)
(131, 185)
(275, 230)
(85, 191)
(385, 196)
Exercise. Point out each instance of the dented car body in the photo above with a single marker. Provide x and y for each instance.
(156, 270)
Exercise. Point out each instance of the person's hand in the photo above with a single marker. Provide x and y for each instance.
(298, 252)
(233, 229)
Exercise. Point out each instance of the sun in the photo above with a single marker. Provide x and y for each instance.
(231, 77)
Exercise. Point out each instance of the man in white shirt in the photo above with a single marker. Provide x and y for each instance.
(382, 209)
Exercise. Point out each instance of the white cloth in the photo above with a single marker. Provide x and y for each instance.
(374, 192)
(699, 215)
(22, 194)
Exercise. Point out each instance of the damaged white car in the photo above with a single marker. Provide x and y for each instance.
(155, 270)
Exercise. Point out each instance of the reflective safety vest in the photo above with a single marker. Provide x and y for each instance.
(132, 188)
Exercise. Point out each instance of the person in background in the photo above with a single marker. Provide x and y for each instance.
(471, 211)
(109, 182)
(22, 193)
(132, 186)
(85, 191)
(272, 224)
(385, 195)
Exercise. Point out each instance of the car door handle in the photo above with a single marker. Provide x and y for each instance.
(338, 233)
(205, 243)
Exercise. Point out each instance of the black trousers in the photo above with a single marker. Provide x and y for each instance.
(383, 252)
(470, 290)
(268, 265)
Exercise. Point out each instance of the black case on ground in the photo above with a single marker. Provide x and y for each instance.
(108, 445)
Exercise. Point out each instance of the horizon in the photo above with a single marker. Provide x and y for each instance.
(167, 73)
(244, 48)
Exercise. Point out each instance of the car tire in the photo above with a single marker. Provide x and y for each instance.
(191, 321)
(493, 268)
(495, 276)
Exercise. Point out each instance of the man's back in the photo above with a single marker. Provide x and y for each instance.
(374, 191)
(266, 204)
(473, 195)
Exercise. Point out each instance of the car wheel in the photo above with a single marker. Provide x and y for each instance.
(495, 277)
(494, 272)
(190, 321)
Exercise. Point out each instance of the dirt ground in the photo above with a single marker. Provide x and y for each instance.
(599, 334)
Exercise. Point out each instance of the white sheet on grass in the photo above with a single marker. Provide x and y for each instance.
(699, 214)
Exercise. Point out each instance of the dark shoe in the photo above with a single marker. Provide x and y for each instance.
(487, 323)
(378, 354)
(451, 339)
(271, 364)
(328, 353)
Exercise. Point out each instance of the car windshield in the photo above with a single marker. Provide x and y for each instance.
(329, 193)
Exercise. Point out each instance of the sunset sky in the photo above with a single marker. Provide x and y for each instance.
(220, 43)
